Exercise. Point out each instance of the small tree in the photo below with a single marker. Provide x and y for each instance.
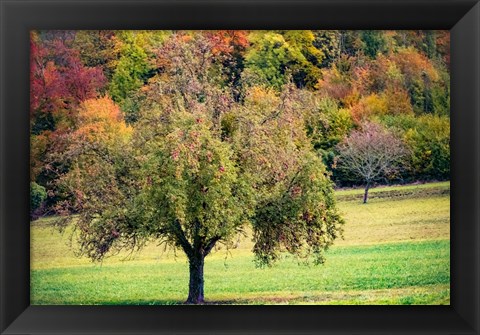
(371, 153)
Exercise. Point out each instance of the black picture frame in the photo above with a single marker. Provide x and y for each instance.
(18, 17)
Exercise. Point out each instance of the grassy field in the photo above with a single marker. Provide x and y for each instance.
(396, 250)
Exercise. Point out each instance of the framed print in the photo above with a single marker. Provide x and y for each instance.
(160, 155)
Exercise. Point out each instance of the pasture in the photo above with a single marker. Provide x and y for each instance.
(396, 250)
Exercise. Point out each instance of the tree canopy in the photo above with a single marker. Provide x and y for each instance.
(180, 175)
(372, 153)
(189, 137)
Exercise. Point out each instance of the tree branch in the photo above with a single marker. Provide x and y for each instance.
(210, 244)
(182, 239)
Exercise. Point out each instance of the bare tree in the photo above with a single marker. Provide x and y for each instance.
(372, 153)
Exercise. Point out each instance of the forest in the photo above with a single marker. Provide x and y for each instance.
(193, 138)
(397, 79)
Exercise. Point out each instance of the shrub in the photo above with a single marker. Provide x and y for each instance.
(428, 138)
(430, 145)
(38, 194)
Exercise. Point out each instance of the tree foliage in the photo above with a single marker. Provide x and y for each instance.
(180, 177)
(373, 42)
(276, 54)
(428, 140)
(38, 194)
(430, 143)
(134, 66)
(98, 49)
(59, 81)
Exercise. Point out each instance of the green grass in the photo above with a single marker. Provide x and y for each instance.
(396, 251)
(404, 188)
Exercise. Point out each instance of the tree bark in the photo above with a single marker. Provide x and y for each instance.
(365, 195)
(195, 287)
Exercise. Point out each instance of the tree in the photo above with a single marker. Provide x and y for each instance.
(398, 101)
(373, 42)
(98, 48)
(131, 68)
(429, 143)
(228, 49)
(135, 65)
(327, 125)
(443, 46)
(420, 76)
(276, 54)
(336, 82)
(97, 157)
(329, 42)
(369, 106)
(186, 179)
(428, 140)
(371, 153)
(59, 82)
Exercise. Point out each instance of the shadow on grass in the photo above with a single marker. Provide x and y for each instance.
(240, 301)
(245, 301)
(263, 301)
(426, 295)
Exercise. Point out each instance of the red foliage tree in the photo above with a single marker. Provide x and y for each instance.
(59, 81)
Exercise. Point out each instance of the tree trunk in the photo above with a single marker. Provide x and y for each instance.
(195, 287)
(365, 195)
